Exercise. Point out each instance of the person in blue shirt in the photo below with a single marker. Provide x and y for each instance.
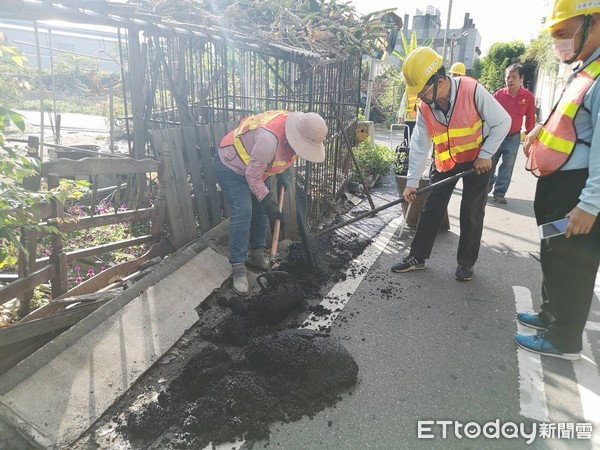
(564, 153)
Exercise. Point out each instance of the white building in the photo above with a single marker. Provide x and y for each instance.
(56, 38)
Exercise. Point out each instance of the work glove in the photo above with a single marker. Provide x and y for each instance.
(283, 179)
(272, 211)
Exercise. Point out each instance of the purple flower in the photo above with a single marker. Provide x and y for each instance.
(77, 268)
(78, 279)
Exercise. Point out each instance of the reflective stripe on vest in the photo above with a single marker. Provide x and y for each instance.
(410, 111)
(556, 140)
(272, 121)
(460, 140)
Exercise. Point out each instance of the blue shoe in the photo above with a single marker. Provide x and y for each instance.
(542, 346)
(532, 321)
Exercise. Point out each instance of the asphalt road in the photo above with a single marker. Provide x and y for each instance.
(431, 348)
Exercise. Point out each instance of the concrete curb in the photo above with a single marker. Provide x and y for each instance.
(55, 394)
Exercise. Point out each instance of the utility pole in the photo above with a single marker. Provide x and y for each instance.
(446, 31)
(372, 72)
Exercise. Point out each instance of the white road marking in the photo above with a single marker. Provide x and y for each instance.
(592, 326)
(597, 286)
(340, 294)
(532, 394)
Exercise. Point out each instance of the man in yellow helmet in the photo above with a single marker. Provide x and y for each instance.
(407, 114)
(564, 153)
(466, 126)
(458, 69)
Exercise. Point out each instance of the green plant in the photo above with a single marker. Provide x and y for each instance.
(408, 47)
(12, 74)
(500, 56)
(374, 159)
(17, 204)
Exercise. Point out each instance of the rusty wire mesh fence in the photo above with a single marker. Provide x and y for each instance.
(190, 80)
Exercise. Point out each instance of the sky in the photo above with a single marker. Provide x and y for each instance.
(496, 21)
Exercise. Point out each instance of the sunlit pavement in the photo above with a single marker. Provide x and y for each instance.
(436, 350)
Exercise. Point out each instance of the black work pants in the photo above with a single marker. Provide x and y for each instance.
(472, 211)
(569, 266)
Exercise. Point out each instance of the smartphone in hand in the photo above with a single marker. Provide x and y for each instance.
(551, 229)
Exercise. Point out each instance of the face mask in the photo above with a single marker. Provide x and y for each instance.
(564, 49)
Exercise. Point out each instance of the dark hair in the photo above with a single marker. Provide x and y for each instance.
(516, 66)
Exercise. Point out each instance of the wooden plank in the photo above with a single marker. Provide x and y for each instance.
(15, 288)
(31, 238)
(98, 166)
(219, 130)
(193, 165)
(12, 355)
(159, 204)
(180, 212)
(205, 136)
(107, 276)
(100, 249)
(39, 212)
(156, 142)
(160, 201)
(58, 259)
(109, 219)
(59, 319)
(137, 85)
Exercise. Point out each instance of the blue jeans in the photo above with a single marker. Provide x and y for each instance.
(248, 221)
(508, 150)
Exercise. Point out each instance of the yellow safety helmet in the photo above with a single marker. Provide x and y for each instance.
(458, 68)
(566, 9)
(419, 66)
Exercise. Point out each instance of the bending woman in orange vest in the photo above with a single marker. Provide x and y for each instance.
(565, 154)
(466, 126)
(261, 146)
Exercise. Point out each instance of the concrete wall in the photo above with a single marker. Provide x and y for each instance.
(548, 87)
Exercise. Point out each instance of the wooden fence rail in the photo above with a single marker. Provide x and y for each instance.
(34, 271)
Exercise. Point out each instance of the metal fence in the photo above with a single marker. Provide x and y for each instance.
(190, 80)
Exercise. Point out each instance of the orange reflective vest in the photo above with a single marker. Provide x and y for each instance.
(272, 121)
(460, 141)
(410, 111)
(556, 140)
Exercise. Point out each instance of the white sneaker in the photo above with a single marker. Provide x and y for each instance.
(240, 286)
(240, 281)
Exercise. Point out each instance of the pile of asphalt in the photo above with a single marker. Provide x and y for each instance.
(246, 364)
(219, 397)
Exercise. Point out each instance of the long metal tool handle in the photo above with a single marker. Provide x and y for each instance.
(277, 226)
(431, 187)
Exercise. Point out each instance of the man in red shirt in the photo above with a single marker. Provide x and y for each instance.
(518, 103)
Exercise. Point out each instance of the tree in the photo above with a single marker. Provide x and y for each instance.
(500, 56)
(408, 47)
(477, 69)
(11, 73)
(539, 56)
(16, 164)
